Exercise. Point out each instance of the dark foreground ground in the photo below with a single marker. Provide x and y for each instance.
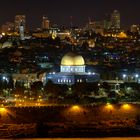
(69, 122)
(46, 131)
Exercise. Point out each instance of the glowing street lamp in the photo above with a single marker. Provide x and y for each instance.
(2, 110)
(126, 106)
(75, 108)
(109, 106)
(3, 34)
(89, 73)
(136, 75)
(124, 75)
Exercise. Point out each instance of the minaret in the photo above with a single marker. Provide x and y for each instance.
(21, 31)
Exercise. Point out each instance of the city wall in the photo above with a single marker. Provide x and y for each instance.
(107, 115)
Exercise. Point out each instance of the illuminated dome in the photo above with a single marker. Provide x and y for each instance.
(72, 59)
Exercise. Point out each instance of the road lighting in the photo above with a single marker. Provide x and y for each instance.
(124, 75)
(136, 75)
(2, 110)
(109, 106)
(76, 108)
(126, 106)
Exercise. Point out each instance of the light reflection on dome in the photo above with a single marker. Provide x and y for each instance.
(72, 59)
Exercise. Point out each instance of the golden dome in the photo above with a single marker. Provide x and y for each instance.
(72, 59)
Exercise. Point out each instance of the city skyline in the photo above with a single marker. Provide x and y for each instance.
(60, 12)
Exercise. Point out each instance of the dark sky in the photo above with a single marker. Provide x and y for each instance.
(59, 11)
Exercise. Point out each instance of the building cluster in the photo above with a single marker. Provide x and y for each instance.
(19, 20)
(100, 51)
(110, 22)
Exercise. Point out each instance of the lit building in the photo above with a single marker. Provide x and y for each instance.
(21, 31)
(72, 70)
(27, 78)
(115, 20)
(134, 28)
(8, 27)
(107, 22)
(96, 26)
(45, 23)
(18, 20)
(4, 28)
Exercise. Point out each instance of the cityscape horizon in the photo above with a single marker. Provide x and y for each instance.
(70, 72)
(62, 11)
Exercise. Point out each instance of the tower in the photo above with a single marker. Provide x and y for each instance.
(21, 31)
(115, 20)
(45, 23)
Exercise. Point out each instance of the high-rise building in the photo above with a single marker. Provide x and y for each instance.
(18, 20)
(107, 22)
(45, 23)
(115, 20)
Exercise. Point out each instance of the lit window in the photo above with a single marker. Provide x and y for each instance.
(58, 80)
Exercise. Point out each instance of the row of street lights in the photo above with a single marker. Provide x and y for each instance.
(128, 77)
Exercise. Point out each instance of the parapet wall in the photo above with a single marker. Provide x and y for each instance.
(98, 115)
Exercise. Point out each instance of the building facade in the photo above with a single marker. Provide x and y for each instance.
(45, 23)
(18, 20)
(115, 20)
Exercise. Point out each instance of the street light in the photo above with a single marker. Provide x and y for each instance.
(124, 75)
(126, 106)
(2, 110)
(136, 75)
(75, 108)
(109, 106)
(89, 73)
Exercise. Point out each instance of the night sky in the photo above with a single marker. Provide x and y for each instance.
(60, 11)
